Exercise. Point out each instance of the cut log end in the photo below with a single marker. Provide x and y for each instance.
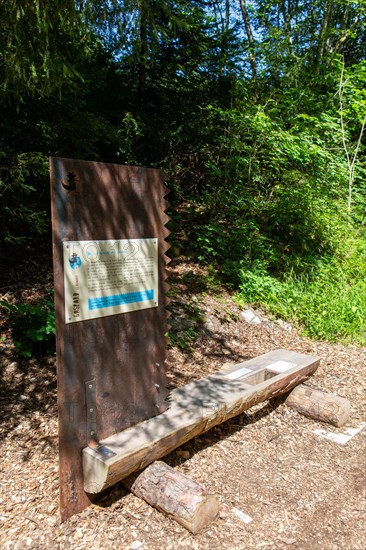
(174, 494)
(319, 405)
(207, 511)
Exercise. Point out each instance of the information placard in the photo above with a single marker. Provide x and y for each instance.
(109, 277)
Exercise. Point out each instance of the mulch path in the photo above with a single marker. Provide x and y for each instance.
(300, 490)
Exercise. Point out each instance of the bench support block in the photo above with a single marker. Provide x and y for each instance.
(319, 405)
(176, 495)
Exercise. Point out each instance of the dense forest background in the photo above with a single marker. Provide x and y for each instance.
(256, 110)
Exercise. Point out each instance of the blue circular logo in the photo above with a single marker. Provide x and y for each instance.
(75, 261)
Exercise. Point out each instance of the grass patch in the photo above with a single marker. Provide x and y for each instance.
(327, 300)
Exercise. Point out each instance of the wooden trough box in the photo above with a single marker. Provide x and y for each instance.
(195, 408)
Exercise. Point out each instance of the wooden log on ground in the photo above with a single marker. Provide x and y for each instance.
(174, 494)
(319, 405)
(195, 408)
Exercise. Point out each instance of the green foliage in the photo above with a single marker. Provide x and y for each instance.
(20, 176)
(327, 300)
(127, 135)
(354, 95)
(271, 192)
(33, 326)
(257, 286)
(271, 219)
(183, 339)
(37, 40)
(185, 327)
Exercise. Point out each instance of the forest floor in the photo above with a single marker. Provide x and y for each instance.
(302, 491)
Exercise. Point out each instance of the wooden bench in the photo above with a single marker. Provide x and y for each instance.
(195, 408)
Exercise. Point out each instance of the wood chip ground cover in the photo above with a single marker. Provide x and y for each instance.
(300, 490)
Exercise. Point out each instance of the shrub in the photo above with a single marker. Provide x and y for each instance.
(33, 326)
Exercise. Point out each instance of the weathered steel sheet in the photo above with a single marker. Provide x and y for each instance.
(111, 369)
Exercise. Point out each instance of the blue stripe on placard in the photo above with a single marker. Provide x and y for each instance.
(120, 299)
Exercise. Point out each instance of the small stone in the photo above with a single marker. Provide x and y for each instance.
(136, 544)
(209, 323)
(250, 317)
(224, 511)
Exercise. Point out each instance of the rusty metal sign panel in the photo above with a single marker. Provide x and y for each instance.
(109, 269)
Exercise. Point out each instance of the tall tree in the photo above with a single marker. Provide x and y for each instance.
(252, 55)
(36, 46)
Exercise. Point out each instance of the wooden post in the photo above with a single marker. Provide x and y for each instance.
(174, 494)
(316, 404)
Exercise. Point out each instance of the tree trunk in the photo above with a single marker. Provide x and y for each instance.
(252, 58)
(322, 41)
(142, 54)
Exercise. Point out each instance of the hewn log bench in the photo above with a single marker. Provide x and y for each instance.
(195, 408)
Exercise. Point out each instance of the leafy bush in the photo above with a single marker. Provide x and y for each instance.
(33, 326)
(272, 193)
(23, 185)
